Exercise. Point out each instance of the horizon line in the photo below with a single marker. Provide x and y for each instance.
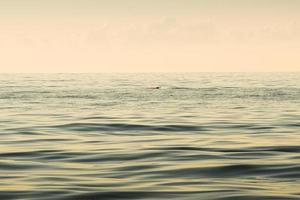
(154, 72)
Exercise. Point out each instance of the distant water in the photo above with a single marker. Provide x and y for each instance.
(210, 136)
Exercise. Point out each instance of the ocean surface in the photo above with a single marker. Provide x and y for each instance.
(210, 136)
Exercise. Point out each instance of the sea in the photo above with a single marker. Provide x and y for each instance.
(154, 136)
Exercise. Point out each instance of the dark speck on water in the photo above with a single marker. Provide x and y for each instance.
(155, 88)
(210, 136)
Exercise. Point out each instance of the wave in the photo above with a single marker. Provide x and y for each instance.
(128, 127)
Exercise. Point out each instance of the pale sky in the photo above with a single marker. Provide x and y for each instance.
(149, 35)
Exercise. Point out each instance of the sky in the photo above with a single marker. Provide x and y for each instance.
(87, 36)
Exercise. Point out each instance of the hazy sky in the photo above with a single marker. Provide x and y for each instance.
(149, 35)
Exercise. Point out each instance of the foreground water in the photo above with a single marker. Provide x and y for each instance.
(110, 136)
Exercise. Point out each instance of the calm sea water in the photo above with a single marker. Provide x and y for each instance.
(212, 136)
